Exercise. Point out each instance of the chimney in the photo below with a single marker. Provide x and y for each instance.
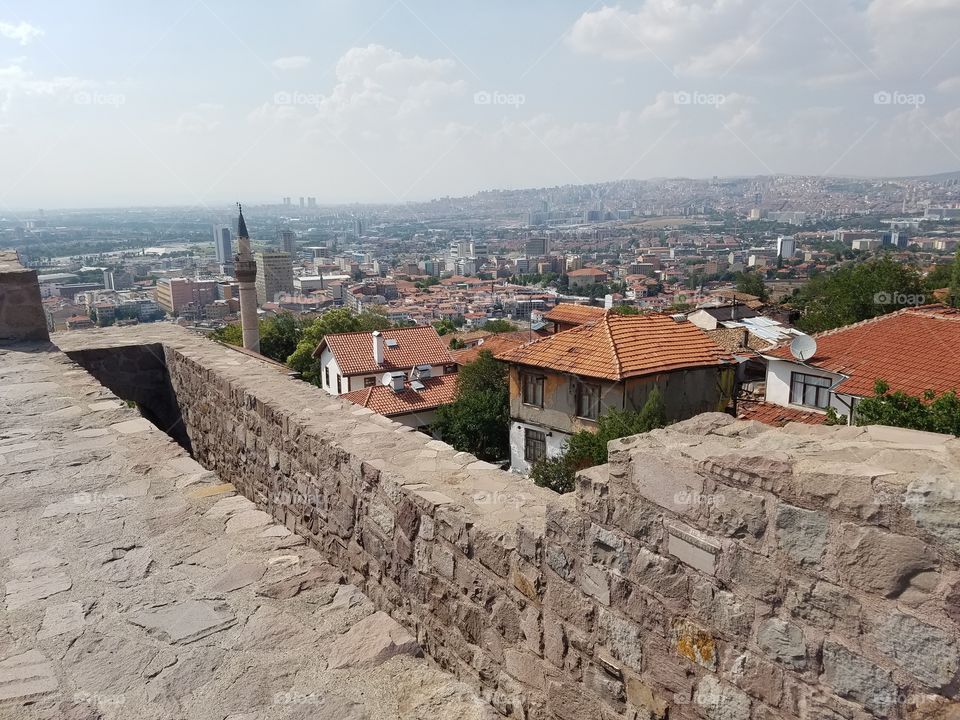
(377, 347)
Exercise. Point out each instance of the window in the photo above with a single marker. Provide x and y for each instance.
(449, 369)
(532, 389)
(369, 381)
(588, 401)
(339, 379)
(326, 376)
(534, 446)
(810, 390)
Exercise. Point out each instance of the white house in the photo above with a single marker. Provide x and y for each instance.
(353, 361)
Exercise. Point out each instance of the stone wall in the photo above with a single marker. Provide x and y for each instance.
(21, 313)
(717, 569)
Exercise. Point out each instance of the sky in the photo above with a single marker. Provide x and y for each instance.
(195, 102)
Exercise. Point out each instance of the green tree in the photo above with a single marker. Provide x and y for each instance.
(279, 336)
(499, 326)
(478, 420)
(857, 292)
(586, 448)
(230, 334)
(444, 326)
(955, 281)
(340, 320)
(932, 412)
(751, 283)
(457, 344)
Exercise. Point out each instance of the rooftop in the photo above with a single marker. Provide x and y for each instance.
(573, 314)
(419, 345)
(777, 415)
(386, 401)
(616, 347)
(913, 350)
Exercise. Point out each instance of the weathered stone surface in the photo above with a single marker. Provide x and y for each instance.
(624, 638)
(371, 642)
(802, 534)
(853, 677)
(692, 548)
(924, 651)
(880, 562)
(26, 676)
(783, 642)
(308, 579)
(237, 577)
(29, 590)
(185, 622)
(61, 619)
(694, 643)
(719, 701)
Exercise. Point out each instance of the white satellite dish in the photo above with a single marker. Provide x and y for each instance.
(387, 379)
(803, 347)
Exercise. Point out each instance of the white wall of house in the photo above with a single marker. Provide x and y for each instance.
(330, 369)
(555, 444)
(703, 320)
(357, 382)
(778, 385)
(417, 420)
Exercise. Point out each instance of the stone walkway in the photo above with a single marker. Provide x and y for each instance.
(138, 585)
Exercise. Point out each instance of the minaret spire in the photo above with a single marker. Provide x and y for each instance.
(246, 271)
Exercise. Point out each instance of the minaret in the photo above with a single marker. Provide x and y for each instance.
(246, 272)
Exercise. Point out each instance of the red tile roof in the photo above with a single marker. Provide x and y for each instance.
(573, 314)
(617, 346)
(586, 272)
(777, 415)
(913, 350)
(415, 346)
(386, 401)
(495, 344)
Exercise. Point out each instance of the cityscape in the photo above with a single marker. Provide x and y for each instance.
(616, 379)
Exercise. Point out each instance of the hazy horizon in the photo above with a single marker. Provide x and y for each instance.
(202, 103)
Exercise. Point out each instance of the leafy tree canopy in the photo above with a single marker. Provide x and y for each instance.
(932, 412)
(857, 292)
(340, 320)
(751, 283)
(499, 326)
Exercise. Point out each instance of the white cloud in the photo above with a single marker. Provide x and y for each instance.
(16, 81)
(293, 62)
(200, 120)
(24, 33)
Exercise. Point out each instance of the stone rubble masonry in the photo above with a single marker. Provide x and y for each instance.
(21, 313)
(715, 569)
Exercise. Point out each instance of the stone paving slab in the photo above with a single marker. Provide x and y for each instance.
(138, 585)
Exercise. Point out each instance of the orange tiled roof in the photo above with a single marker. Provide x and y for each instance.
(495, 344)
(777, 415)
(386, 401)
(584, 272)
(617, 347)
(913, 350)
(415, 346)
(573, 314)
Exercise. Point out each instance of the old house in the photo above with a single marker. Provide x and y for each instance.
(564, 383)
(353, 361)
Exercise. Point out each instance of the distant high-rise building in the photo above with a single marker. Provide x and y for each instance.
(286, 201)
(274, 276)
(786, 246)
(223, 248)
(538, 247)
(311, 202)
(358, 226)
(302, 202)
(288, 241)
(108, 283)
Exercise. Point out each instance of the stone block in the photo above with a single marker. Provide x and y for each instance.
(926, 652)
(643, 698)
(736, 513)
(660, 575)
(623, 637)
(801, 534)
(783, 642)
(692, 548)
(525, 667)
(855, 678)
(694, 643)
(719, 701)
(666, 481)
(566, 701)
(595, 581)
(756, 677)
(609, 689)
(880, 562)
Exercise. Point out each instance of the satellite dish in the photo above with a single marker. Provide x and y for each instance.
(803, 347)
(387, 379)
